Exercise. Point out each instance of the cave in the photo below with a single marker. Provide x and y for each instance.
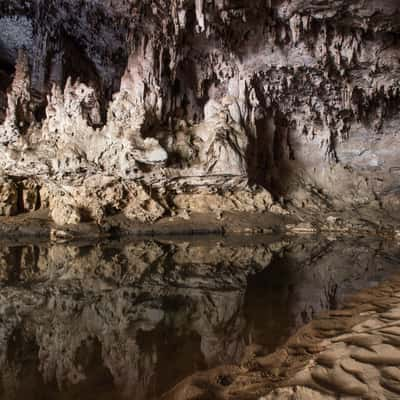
(286, 99)
(184, 167)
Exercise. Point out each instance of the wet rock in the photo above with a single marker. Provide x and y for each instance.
(98, 196)
(8, 198)
(64, 214)
(30, 195)
(251, 200)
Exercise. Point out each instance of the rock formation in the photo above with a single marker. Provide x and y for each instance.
(294, 98)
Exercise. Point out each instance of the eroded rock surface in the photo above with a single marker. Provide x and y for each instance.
(361, 363)
(297, 97)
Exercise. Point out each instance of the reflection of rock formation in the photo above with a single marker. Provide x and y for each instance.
(309, 277)
(314, 275)
(138, 317)
(103, 312)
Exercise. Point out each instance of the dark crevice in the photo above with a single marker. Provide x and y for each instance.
(6, 77)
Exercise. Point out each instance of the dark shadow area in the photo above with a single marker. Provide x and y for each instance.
(267, 305)
(178, 355)
(7, 71)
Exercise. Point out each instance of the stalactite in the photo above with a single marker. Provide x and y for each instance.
(218, 68)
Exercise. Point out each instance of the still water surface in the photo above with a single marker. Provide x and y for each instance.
(130, 319)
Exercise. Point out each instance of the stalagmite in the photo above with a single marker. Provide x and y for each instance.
(180, 95)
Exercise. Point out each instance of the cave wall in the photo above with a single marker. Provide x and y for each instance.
(314, 84)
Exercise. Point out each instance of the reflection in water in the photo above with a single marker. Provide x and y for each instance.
(309, 276)
(130, 320)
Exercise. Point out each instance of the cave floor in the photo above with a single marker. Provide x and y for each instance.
(349, 353)
(39, 223)
(352, 222)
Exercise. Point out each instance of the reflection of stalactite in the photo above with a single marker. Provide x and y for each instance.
(89, 313)
(130, 294)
